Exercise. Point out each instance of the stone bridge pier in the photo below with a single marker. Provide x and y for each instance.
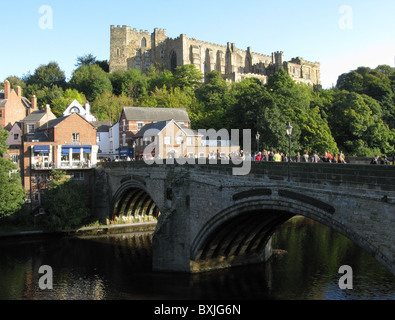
(209, 218)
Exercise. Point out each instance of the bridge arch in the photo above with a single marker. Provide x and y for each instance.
(133, 200)
(241, 232)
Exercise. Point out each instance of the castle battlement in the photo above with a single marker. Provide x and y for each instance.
(181, 50)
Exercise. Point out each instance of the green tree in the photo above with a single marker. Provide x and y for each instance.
(91, 81)
(47, 76)
(131, 83)
(187, 76)
(108, 107)
(60, 103)
(12, 194)
(85, 60)
(65, 203)
(357, 126)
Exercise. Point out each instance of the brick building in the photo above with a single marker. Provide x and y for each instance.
(13, 106)
(66, 143)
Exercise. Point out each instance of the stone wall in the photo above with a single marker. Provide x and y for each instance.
(130, 48)
(203, 206)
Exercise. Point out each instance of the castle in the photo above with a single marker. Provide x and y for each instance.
(130, 48)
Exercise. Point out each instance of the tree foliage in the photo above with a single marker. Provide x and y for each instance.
(65, 203)
(12, 194)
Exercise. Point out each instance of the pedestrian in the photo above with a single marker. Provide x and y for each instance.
(315, 158)
(306, 156)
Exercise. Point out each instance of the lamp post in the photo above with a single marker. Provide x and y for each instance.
(257, 140)
(289, 133)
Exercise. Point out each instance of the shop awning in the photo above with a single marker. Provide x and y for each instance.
(41, 149)
(76, 149)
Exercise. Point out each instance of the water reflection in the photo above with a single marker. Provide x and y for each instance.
(119, 267)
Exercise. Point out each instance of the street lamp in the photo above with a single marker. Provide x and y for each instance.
(289, 133)
(257, 140)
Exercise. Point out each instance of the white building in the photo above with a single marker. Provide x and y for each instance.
(103, 138)
(85, 112)
(114, 140)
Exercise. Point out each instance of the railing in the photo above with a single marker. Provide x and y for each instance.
(63, 165)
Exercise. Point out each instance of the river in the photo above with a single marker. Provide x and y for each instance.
(118, 267)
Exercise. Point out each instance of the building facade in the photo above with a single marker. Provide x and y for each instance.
(130, 48)
(170, 139)
(13, 106)
(76, 107)
(133, 119)
(66, 143)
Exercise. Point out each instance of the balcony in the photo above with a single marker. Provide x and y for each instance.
(64, 166)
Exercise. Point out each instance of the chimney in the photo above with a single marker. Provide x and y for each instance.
(47, 108)
(33, 104)
(87, 108)
(7, 89)
(18, 91)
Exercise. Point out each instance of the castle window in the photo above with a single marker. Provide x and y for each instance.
(162, 53)
(147, 54)
(143, 42)
(147, 65)
(173, 61)
(137, 53)
(138, 64)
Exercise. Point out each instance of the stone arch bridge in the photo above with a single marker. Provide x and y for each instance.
(209, 218)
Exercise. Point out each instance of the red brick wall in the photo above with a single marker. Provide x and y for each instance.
(14, 109)
(74, 124)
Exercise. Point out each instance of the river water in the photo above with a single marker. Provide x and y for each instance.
(119, 268)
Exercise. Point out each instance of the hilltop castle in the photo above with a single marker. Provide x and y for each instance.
(130, 48)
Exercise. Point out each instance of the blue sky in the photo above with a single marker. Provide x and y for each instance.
(341, 35)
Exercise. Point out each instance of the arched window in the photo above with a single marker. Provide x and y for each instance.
(173, 61)
(143, 42)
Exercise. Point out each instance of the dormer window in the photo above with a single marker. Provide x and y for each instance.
(75, 110)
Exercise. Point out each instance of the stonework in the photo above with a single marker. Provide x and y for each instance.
(130, 48)
(212, 219)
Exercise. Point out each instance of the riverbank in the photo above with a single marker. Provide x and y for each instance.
(85, 231)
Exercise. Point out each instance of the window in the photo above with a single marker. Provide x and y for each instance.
(189, 141)
(16, 136)
(147, 54)
(77, 176)
(30, 128)
(179, 140)
(75, 137)
(15, 158)
(167, 140)
(143, 42)
(124, 139)
(139, 125)
(162, 53)
(123, 125)
(1, 114)
(98, 137)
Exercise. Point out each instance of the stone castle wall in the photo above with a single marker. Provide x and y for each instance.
(130, 48)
